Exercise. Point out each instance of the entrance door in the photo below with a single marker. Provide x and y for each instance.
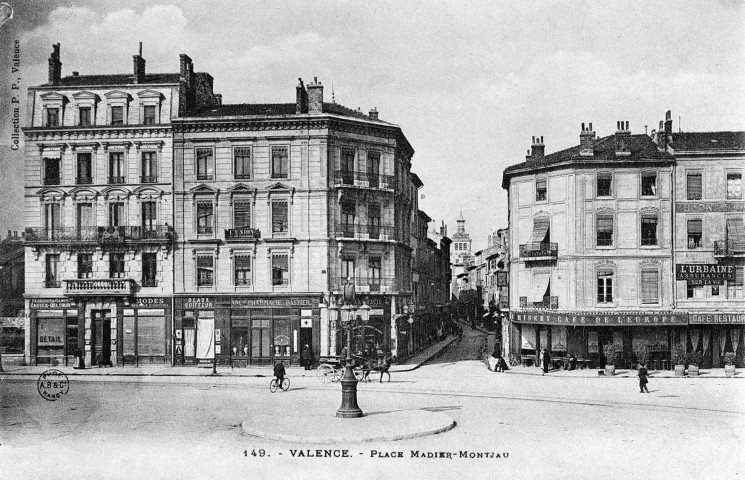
(205, 338)
(101, 338)
(260, 341)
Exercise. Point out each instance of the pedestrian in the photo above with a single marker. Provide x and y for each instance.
(572, 362)
(306, 357)
(546, 361)
(643, 378)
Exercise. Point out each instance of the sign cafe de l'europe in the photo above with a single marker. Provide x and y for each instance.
(601, 319)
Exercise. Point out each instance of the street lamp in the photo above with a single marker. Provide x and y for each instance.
(348, 313)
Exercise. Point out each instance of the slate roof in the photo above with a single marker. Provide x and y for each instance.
(271, 109)
(116, 79)
(697, 141)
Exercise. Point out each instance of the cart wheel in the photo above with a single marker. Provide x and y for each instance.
(336, 374)
(325, 374)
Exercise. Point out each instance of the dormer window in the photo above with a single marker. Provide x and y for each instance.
(53, 117)
(85, 116)
(148, 114)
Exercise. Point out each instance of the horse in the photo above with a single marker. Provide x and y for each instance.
(381, 367)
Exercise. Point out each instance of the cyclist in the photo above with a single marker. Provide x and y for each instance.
(279, 372)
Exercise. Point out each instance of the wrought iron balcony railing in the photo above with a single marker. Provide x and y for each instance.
(366, 284)
(364, 179)
(102, 235)
(101, 286)
(52, 283)
(366, 231)
(51, 180)
(117, 179)
(539, 251)
(84, 180)
(729, 248)
(149, 179)
(149, 282)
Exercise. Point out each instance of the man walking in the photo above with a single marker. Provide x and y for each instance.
(643, 378)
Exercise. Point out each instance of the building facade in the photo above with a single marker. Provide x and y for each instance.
(99, 211)
(12, 307)
(282, 205)
(709, 237)
(591, 249)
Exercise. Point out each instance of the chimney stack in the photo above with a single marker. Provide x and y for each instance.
(301, 97)
(55, 66)
(315, 96)
(538, 148)
(374, 114)
(218, 98)
(623, 137)
(587, 141)
(668, 123)
(139, 66)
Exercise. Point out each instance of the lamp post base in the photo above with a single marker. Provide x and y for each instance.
(349, 407)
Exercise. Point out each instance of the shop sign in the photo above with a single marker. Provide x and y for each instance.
(51, 303)
(502, 279)
(648, 319)
(273, 302)
(199, 302)
(699, 318)
(152, 302)
(707, 207)
(247, 234)
(705, 274)
(12, 322)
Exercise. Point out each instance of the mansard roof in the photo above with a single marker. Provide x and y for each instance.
(272, 110)
(703, 141)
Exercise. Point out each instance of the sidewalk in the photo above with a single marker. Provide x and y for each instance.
(412, 363)
(620, 373)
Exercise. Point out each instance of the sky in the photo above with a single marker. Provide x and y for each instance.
(469, 83)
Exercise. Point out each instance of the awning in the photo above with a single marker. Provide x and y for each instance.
(540, 228)
(538, 287)
(736, 233)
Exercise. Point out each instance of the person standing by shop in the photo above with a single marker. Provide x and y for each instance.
(307, 357)
(643, 378)
(546, 360)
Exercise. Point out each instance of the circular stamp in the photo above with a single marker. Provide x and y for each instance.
(52, 384)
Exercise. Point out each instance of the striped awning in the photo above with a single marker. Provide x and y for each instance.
(539, 286)
(540, 228)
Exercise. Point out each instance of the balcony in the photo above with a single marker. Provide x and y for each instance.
(148, 179)
(539, 251)
(365, 231)
(51, 180)
(117, 179)
(365, 284)
(52, 283)
(242, 234)
(84, 180)
(729, 248)
(548, 303)
(364, 180)
(99, 235)
(149, 282)
(103, 286)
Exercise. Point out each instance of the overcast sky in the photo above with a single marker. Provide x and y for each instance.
(469, 83)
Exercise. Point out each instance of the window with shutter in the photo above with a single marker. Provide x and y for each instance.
(280, 270)
(604, 230)
(693, 186)
(734, 185)
(540, 189)
(242, 270)
(695, 228)
(204, 217)
(649, 231)
(650, 286)
(242, 214)
(205, 270)
(604, 182)
(205, 164)
(734, 289)
(242, 162)
(280, 219)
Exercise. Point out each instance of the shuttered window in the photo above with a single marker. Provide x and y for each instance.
(242, 270)
(734, 289)
(242, 214)
(604, 230)
(650, 286)
(649, 231)
(604, 182)
(693, 186)
(205, 270)
(734, 185)
(540, 189)
(695, 229)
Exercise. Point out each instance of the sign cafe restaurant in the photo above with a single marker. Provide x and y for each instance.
(584, 333)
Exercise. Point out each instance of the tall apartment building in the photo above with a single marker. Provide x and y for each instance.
(99, 210)
(709, 239)
(279, 206)
(591, 248)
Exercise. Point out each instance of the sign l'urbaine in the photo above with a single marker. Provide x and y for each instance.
(705, 274)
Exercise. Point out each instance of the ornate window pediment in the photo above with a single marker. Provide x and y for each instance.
(148, 192)
(280, 187)
(53, 97)
(118, 95)
(86, 95)
(115, 193)
(83, 193)
(203, 189)
(51, 194)
(150, 94)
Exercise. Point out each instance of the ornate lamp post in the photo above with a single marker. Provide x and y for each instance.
(348, 313)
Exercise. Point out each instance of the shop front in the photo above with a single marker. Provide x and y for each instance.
(245, 330)
(56, 331)
(714, 334)
(13, 340)
(144, 331)
(376, 332)
(583, 334)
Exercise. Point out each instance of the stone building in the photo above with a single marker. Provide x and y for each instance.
(99, 211)
(279, 205)
(591, 248)
(12, 318)
(709, 234)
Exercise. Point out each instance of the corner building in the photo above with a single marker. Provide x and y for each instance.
(591, 250)
(278, 205)
(99, 210)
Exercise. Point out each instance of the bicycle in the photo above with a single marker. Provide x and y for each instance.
(273, 386)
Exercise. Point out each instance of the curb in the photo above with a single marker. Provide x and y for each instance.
(434, 355)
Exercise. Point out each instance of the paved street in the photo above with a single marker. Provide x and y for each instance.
(136, 429)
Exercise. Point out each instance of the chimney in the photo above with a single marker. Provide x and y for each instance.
(75, 74)
(538, 148)
(55, 66)
(218, 98)
(186, 83)
(623, 138)
(315, 96)
(668, 123)
(9, 232)
(139, 66)
(374, 114)
(587, 141)
(301, 97)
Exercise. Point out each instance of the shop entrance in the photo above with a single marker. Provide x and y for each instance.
(101, 338)
(306, 338)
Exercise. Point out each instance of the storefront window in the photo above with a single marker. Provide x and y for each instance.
(239, 338)
(72, 335)
(11, 340)
(50, 339)
(282, 337)
(151, 334)
(128, 341)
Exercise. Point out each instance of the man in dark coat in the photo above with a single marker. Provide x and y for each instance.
(306, 356)
(546, 361)
(643, 378)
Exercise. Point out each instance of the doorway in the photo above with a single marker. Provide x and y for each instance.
(101, 338)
